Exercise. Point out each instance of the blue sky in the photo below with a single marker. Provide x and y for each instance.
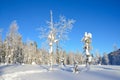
(100, 17)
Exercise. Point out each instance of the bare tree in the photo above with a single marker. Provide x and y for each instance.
(56, 32)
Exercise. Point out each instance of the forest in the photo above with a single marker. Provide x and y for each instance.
(14, 51)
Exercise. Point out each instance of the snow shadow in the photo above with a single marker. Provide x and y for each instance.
(68, 69)
(107, 76)
(45, 67)
(108, 68)
(2, 67)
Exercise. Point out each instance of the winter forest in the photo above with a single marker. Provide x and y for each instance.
(14, 51)
(59, 40)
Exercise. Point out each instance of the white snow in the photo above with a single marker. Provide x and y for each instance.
(41, 72)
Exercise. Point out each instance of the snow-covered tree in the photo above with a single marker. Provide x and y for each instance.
(70, 58)
(97, 58)
(44, 56)
(56, 32)
(64, 57)
(30, 52)
(57, 54)
(87, 39)
(13, 45)
(79, 57)
(105, 59)
(2, 53)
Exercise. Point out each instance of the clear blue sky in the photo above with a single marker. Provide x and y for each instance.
(100, 17)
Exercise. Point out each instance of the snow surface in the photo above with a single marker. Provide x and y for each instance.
(41, 72)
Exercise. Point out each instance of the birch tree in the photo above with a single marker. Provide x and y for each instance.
(56, 32)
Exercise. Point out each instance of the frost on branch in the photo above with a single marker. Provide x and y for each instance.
(56, 32)
(60, 29)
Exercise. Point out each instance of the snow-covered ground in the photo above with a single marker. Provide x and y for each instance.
(38, 72)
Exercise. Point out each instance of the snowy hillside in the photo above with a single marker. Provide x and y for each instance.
(38, 72)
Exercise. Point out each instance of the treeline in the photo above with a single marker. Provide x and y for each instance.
(114, 57)
(14, 51)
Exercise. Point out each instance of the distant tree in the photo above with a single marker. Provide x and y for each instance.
(44, 56)
(64, 57)
(58, 56)
(30, 52)
(2, 53)
(13, 44)
(115, 47)
(70, 58)
(98, 58)
(105, 59)
(79, 57)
